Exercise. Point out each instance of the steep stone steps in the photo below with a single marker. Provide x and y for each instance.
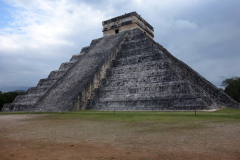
(119, 74)
(36, 90)
(76, 57)
(65, 66)
(74, 80)
(147, 66)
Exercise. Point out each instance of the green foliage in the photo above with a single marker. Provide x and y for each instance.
(227, 81)
(232, 87)
(8, 97)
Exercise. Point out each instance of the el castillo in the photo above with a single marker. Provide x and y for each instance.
(123, 70)
(123, 97)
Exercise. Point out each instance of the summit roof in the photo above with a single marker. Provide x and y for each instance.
(128, 15)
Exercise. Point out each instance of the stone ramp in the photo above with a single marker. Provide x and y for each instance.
(59, 97)
(145, 76)
(26, 102)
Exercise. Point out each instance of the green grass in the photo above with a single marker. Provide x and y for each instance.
(224, 115)
(227, 114)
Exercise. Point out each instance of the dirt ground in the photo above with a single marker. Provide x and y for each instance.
(35, 137)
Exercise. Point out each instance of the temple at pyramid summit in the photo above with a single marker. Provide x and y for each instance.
(123, 70)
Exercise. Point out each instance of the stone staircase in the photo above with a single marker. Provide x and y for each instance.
(78, 77)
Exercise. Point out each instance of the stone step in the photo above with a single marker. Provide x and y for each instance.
(143, 92)
(135, 38)
(65, 66)
(7, 107)
(36, 90)
(119, 74)
(46, 83)
(10, 107)
(76, 57)
(138, 80)
(139, 60)
(137, 54)
(85, 49)
(137, 93)
(95, 41)
(134, 47)
(133, 108)
(136, 42)
(150, 97)
(161, 64)
(56, 74)
(179, 83)
(160, 86)
(149, 104)
(26, 99)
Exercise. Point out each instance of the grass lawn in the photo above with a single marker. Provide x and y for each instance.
(123, 135)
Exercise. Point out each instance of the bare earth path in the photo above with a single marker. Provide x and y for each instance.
(45, 137)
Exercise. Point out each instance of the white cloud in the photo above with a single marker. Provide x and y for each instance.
(46, 33)
(46, 23)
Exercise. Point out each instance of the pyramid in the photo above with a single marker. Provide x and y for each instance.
(124, 70)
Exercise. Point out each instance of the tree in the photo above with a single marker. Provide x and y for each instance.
(8, 97)
(232, 87)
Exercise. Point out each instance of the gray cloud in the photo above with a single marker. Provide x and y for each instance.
(44, 34)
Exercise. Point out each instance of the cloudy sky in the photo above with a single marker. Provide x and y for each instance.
(36, 36)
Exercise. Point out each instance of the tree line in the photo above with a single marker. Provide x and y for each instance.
(232, 87)
(8, 97)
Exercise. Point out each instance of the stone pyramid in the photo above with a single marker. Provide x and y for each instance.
(124, 70)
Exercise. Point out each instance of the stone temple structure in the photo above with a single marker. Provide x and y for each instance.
(123, 70)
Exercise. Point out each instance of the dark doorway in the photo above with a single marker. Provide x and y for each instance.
(116, 31)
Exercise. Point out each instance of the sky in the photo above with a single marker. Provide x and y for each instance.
(36, 36)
